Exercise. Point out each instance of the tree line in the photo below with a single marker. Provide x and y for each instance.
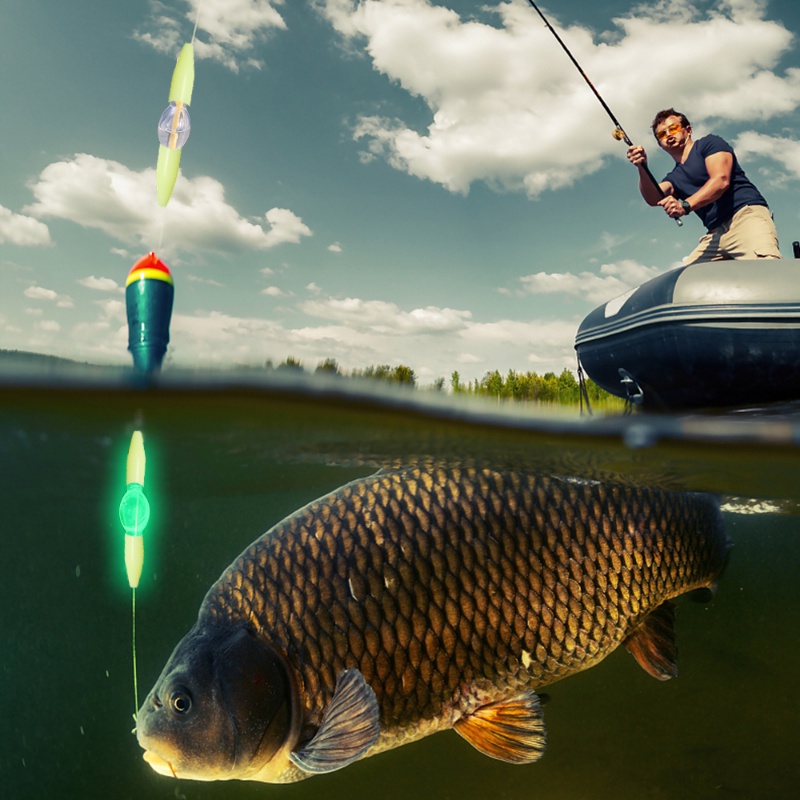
(563, 389)
(527, 387)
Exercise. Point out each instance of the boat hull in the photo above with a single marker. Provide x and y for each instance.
(724, 334)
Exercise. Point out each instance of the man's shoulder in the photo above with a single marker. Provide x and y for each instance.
(711, 143)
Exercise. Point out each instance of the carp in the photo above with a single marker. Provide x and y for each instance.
(417, 600)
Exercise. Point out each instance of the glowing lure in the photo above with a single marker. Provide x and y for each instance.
(134, 510)
(175, 125)
(134, 514)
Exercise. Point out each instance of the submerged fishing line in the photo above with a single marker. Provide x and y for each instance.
(133, 649)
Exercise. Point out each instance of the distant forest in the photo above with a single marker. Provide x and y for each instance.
(530, 387)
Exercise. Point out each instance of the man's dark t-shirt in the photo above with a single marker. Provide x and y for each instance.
(689, 177)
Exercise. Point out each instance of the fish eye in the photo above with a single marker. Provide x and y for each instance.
(180, 701)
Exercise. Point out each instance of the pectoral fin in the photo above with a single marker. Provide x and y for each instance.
(350, 726)
(652, 644)
(512, 730)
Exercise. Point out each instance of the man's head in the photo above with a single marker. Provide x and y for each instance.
(664, 115)
(671, 129)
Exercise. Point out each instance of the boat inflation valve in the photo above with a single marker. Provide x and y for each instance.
(633, 392)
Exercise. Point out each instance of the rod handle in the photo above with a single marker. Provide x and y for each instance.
(660, 190)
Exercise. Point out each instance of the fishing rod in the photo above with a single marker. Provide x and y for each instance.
(618, 133)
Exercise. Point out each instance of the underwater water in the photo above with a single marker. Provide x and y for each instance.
(228, 457)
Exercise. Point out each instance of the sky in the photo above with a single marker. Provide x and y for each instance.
(379, 182)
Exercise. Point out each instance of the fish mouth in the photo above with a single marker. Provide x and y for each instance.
(159, 764)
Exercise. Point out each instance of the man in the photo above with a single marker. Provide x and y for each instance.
(708, 180)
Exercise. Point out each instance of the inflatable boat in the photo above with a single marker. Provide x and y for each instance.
(720, 334)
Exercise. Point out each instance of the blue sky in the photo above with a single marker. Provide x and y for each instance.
(388, 181)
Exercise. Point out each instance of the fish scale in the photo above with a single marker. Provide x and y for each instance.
(449, 588)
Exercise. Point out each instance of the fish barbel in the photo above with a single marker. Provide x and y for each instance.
(421, 599)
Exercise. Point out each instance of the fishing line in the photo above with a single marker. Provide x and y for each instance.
(618, 132)
(133, 643)
(196, 20)
(161, 231)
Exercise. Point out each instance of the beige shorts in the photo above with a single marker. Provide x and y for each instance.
(749, 233)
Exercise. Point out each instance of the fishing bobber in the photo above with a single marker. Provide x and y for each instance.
(134, 510)
(149, 292)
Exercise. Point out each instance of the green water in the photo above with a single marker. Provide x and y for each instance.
(227, 459)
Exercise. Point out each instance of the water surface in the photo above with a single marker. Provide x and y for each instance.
(230, 455)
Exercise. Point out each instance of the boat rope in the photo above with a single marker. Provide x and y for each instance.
(583, 390)
(634, 394)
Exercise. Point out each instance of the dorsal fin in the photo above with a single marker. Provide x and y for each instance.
(511, 730)
(350, 726)
(652, 644)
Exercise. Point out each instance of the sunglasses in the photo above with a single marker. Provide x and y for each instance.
(672, 129)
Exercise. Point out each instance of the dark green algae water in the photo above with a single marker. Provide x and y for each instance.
(229, 455)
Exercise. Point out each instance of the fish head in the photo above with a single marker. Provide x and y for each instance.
(221, 709)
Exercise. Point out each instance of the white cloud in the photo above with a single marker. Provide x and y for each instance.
(204, 281)
(162, 31)
(613, 280)
(228, 31)
(101, 284)
(382, 317)
(48, 295)
(358, 333)
(48, 326)
(286, 227)
(21, 230)
(508, 108)
(785, 152)
(272, 291)
(335, 248)
(103, 339)
(219, 338)
(108, 196)
(112, 309)
(612, 241)
(544, 345)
